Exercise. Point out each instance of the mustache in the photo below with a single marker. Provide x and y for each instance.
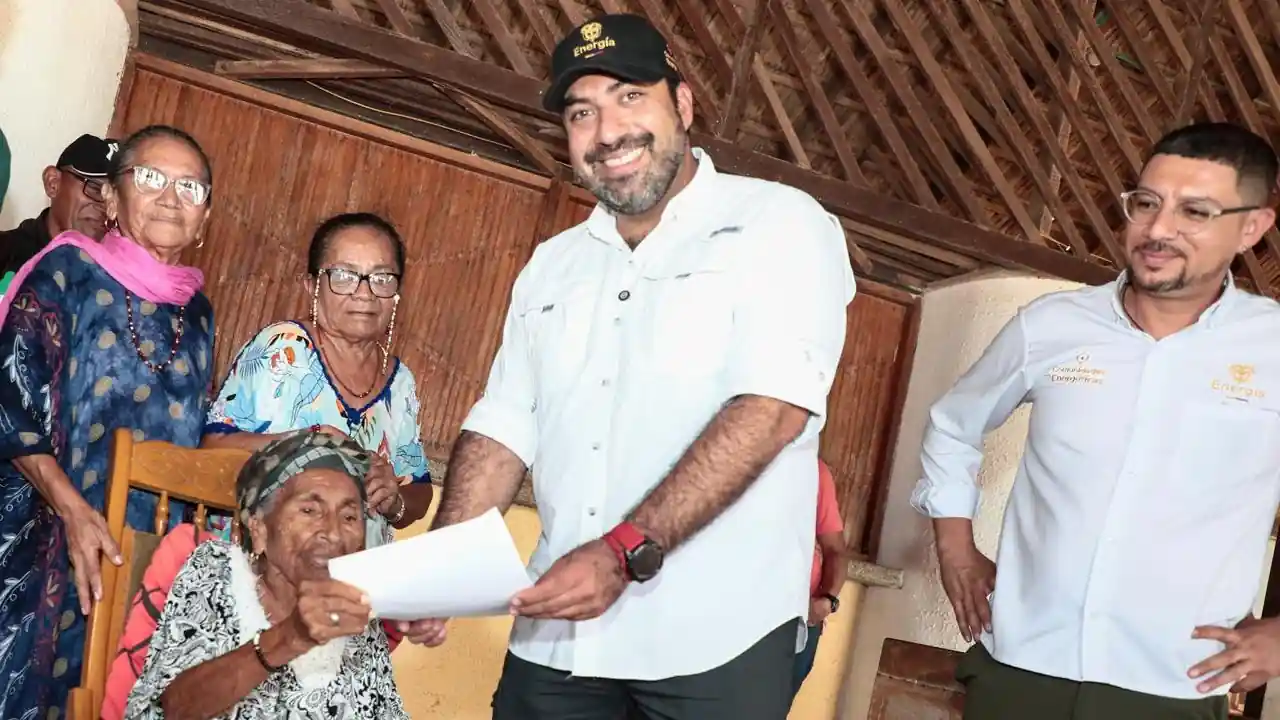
(630, 142)
(1159, 246)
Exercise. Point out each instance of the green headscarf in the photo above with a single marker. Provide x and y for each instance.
(268, 469)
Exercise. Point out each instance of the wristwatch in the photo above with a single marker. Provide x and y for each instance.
(835, 602)
(640, 557)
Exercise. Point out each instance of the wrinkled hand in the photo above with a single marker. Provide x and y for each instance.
(579, 586)
(88, 540)
(819, 609)
(382, 487)
(968, 577)
(429, 632)
(1251, 656)
(329, 609)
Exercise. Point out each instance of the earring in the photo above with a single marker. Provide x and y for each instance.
(391, 331)
(113, 224)
(315, 302)
(201, 243)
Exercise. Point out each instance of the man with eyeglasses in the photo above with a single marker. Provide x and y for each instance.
(74, 188)
(1136, 532)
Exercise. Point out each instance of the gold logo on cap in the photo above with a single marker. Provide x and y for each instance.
(592, 42)
(671, 60)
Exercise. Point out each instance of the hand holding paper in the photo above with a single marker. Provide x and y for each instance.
(469, 569)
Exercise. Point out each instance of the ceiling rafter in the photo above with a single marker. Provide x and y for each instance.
(958, 184)
(1023, 118)
(323, 31)
(942, 86)
(1026, 154)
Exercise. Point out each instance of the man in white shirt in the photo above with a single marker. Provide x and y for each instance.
(1135, 535)
(664, 371)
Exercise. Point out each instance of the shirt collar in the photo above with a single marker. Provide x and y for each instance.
(602, 224)
(1209, 317)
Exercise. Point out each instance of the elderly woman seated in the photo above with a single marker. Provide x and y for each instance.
(266, 633)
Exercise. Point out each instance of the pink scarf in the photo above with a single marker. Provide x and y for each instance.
(126, 262)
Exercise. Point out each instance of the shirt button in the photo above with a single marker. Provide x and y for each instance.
(591, 511)
(595, 446)
(617, 321)
(604, 382)
(624, 295)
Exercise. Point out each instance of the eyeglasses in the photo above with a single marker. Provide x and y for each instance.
(150, 181)
(1191, 216)
(347, 282)
(91, 187)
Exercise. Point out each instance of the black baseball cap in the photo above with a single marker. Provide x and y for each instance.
(88, 156)
(619, 45)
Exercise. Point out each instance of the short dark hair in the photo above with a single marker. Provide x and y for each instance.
(324, 235)
(1252, 157)
(123, 159)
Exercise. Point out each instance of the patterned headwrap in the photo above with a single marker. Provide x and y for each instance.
(268, 469)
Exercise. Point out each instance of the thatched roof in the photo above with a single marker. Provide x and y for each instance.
(950, 136)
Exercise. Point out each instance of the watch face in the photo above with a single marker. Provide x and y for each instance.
(645, 561)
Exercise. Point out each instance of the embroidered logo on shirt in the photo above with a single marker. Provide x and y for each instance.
(1238, 387)
(1079, 372)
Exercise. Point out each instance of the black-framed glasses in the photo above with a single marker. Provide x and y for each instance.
(150, 181)
(91, 187)
(1190, 216)
(347, 282)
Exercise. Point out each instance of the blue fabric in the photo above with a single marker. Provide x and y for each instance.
(278, 382)
(69, 376)
(804, 658)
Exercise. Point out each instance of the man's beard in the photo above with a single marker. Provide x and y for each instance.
(632, 195)
(1169, 285)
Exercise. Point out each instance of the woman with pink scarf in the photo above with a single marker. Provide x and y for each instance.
(94, 337)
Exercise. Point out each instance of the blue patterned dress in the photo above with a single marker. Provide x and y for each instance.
(69, 376)
(278, 382)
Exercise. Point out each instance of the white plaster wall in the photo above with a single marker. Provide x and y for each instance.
(60, 67)
(957, 323)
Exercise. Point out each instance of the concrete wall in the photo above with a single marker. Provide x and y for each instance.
(957, 322)
(60, 66)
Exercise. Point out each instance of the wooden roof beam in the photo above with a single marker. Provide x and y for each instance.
(736, 101)
(326, 31)
(304, 69)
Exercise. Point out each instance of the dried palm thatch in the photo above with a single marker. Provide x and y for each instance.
(1025, 118)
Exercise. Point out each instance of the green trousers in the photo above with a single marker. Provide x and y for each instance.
(995, 691)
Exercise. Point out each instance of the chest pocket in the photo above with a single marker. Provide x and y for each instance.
(557, 322)
(691, 316)
(1232, 444)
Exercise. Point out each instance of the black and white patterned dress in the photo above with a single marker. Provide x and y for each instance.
(213, 608)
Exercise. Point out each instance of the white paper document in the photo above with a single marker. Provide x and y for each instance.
(468, 569)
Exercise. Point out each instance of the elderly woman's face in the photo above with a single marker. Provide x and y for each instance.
(163, 222)
(356, 311)
(316, 516)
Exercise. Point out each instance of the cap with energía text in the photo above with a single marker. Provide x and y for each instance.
(620, 45)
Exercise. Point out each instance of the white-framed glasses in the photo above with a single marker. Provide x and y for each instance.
(1190, 216)
(150, 181)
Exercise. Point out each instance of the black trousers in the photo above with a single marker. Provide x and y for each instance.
(995, 691)
(756, 685)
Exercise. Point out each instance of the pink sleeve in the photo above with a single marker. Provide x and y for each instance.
(828, 509)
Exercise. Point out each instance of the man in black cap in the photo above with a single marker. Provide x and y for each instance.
(664, 371)
(74, 188)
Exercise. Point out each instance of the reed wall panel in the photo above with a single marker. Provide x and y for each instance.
(468, 230)
(276, 177)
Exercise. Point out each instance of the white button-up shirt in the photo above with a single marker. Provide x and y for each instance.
(613, 361)
(1147, 488)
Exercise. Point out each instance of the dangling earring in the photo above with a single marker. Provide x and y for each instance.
(113, 224)
(315, 303)
(201, 243)
(391, 331)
